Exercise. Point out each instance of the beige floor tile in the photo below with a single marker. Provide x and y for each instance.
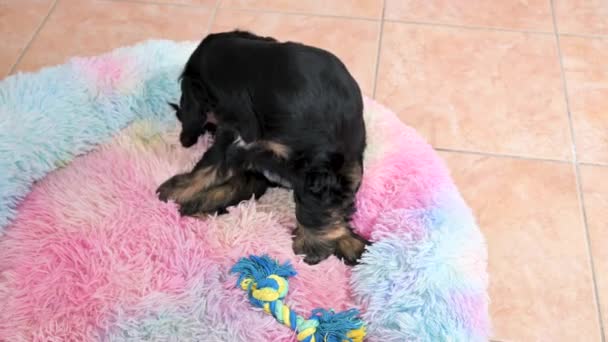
(351, 8)
(540, 277)
(82, 27)
(508, 14)
(354, 41)
(586, 69)
(19, 20)
(595, 189)
(582, 16)
(498, 92)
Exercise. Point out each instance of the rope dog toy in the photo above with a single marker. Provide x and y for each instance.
(265, 282)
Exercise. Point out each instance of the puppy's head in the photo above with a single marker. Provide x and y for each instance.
(250, 35)
(191, 111)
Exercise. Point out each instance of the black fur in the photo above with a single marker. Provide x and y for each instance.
(301, 97)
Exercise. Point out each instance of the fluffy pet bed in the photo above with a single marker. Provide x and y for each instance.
(87, 251)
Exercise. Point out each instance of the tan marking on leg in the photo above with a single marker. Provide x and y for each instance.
(199, 180)
(241, 187)
(278, 149)
(213, 199)
(350, 248)
(221, 194)
(309, 243)
(335, 232)
(335, 238)
(354, 173)
(348, 245)
(196, 182)
(299, 240)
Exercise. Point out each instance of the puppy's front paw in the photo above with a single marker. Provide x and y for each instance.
(314, 251)
(350, 248)
(314, 259)
(190, 208)
(195, 207)
(170, 189)
(194, 210)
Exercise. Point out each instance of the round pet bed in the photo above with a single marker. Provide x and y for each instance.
(88, 252)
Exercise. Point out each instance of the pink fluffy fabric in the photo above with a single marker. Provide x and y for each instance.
(94, 255)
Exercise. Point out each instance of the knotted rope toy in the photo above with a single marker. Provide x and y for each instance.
(265, 281)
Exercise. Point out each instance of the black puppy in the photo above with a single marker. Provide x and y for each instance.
(282, 113)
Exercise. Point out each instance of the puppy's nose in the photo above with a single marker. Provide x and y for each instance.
(188, 140)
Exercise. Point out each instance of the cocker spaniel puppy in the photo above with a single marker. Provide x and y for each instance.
(282, 114)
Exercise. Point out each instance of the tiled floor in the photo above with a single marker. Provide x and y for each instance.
(514, 95)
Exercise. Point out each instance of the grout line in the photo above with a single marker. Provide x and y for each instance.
(411, 22)
(213, 14)
(307, 14)
(581, 195)
(156, 2)
(378, 50)
(593, 164)
(515, 156)
(34, 35)
(468, 27)
(502, 155)
(583, 35)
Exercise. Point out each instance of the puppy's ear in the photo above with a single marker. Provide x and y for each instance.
(322, 177)
(322, 181)
(192, 112)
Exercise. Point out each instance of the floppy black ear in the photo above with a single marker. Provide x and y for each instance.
(322, 177)
(192, 111)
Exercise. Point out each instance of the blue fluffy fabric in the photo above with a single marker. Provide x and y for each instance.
(33, 125)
